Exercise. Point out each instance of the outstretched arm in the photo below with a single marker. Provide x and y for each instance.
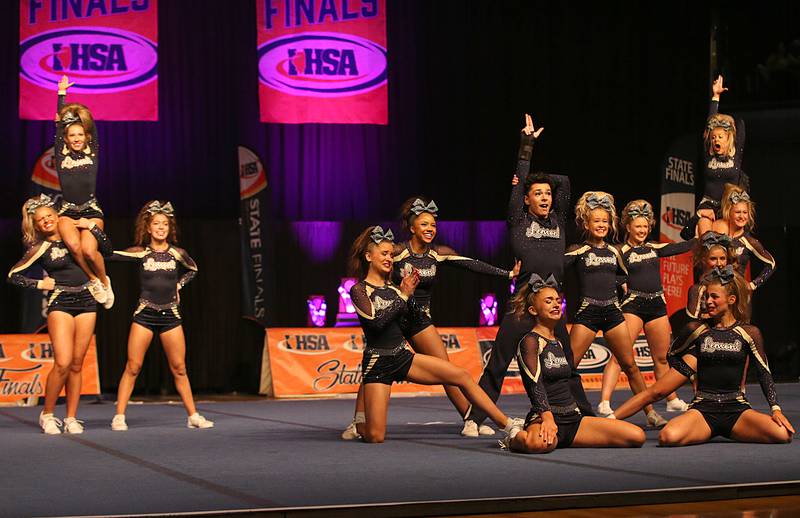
(449, 256)
(670, 249)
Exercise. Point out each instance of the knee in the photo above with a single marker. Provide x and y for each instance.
(656, 394)
(61, 368)
(782, 436)
(76, 366)
(133, 368)
(629, 367)
(462, 377)
(178, 369)
(88, 252)
(74, 246)
(636, 438)
(669, 437)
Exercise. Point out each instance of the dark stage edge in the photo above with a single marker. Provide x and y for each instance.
(285, 458)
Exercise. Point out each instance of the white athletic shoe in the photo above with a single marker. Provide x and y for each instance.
(677, 405)
(98, 291)
(50, 424)
(604, 409)
(109, 294)
(655, 420)
(351, 432)
(197, 421)
(470, 428)
(513, 426)
(72, 425)
(485, 429)
(118, 424)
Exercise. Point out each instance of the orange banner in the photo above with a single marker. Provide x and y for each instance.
(26, 360)
(327, 361)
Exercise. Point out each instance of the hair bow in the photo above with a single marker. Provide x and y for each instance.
(536, 283)
(718, 122)
(70, 118)
(712, 239)
(594, 202)
(736, 197)
(418, 207)
(155, 207)
(378, 235)
(642, 211)
(36, 203)
(723, 275)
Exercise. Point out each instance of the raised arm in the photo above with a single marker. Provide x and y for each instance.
(759, 252)
(31, 257)
(63, 84)
(528, 136)
(447, 255)
(716, 90)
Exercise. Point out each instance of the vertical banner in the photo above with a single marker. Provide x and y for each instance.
(322, 61)
(677, 207)
(253, 196)
(108, 48)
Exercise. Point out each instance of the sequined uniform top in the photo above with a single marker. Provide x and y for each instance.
(643, 265)
(719, 171)
(600, 270)
(721, 355)
(545, 373)
(55, 259)
(77, 170)
(379, 310)
(538, 242)
(746, 247)
(426, 264)
(160, 272)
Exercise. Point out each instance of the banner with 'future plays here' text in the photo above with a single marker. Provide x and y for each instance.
(322, 61)
(107, 48)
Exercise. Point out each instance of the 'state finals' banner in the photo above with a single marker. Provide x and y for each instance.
(322, 61)
(108, 48)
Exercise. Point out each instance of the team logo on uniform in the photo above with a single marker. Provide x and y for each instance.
(320, 64)
(57, 253)
(96, 59)
(709, 345)
(536, 231)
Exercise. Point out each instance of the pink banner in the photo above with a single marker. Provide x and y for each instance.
(108, 48)
(322, 61)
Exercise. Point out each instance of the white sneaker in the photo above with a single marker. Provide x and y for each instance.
(109, 294)
(513, 426)
(351, 432)
(485, 429)
(72, 425)
(98, 291)
(197, 421)
(655, 420)
(677, 405)
(118, 424)
(50, 424)
(604, 409)
(470, 428)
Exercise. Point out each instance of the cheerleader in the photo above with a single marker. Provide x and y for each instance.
(713, 251)
(71, 308)
(164, 269)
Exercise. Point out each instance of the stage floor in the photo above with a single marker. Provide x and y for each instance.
(287, 455)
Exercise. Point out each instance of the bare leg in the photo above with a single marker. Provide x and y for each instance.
(174, 344)
(376, 403)
(139, 339)
(84, 328)
(596, 432)
(360, 408)
(581, 338)
(704, 225)
(91, 254)
(619, 341)
(688, 428)
(754, 426)
(612, 370)
(657, 332)
(719, 226)
(62, 334)
(71, 237)
(429, 342)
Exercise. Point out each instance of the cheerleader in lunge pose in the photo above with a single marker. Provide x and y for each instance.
(644, 305)
(164, 269)
(71, 308)
(554, 420)
(76, 158)
(381, 306)
(600, 269)
(717, 351)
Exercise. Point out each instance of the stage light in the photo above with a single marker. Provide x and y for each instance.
(488, 310)
(317, 309)
(347, 312)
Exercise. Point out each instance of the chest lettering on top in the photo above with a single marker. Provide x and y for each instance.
(716, 163)
(637, 258)
(551, 361)
(380, 303)
(709, 345)
(71, 163)
(151, 265)
(57, 253)
(536, 231)
(596, 260)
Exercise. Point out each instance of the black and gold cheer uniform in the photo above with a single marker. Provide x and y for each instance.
(600, 271)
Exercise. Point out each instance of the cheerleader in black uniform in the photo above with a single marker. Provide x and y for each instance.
(76, 158)
(739, 213)
(717, 351)
(71, 309)
(713, 251)
(554, 420)
(164, 269)
(644, 305)
(381, 307)
(600, 271)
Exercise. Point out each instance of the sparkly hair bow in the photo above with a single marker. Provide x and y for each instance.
(155, 207)
(723, 275)
(719, 122)
(36, 203)
(642, 211)
(418, 207)
(536, 283)
(712, 239)
(736, 197)
(70, 118)
(378, 235)
(594, 202)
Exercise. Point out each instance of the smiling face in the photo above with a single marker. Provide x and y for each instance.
(76, 137)
(718, 301)
(424, 227)
(717, 257)
(720, 141)
(158, 228)
(379, 257)
(739, 215)
(539, 199)
(597, 224)
(546, 306)
(638, 229)
(45, 221)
